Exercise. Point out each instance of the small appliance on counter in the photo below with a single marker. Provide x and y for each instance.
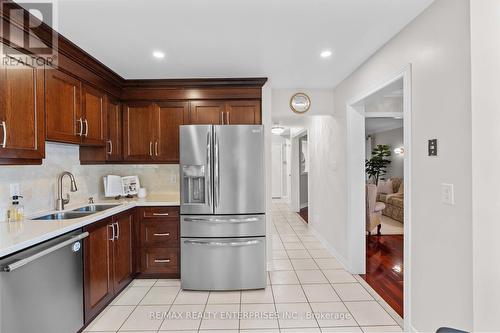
(117, 186)
(223, 221)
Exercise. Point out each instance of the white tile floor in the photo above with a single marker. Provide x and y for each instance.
(304, 279)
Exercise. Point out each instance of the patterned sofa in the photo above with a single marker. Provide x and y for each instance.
(394, 203)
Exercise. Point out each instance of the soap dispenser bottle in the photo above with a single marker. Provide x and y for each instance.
(12, 212)
(16, 211)
(20, 209)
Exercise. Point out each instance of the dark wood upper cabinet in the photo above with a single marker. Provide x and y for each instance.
(114, 131)
(237, 112)
(138, 132)
(168, 117)
(123, 250)
(64, 121)
(93, 116)
(243, 112)
(206, 112)
(22, 122)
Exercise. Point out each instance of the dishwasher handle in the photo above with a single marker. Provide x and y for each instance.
(20, 263)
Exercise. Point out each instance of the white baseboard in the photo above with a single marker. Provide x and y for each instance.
(304, 205)
(330, 248)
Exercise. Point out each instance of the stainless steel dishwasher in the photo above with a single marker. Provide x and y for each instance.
(41, 288)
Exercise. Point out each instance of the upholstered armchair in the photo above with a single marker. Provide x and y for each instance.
(373, 209)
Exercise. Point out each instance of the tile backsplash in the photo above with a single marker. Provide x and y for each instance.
(38, 184)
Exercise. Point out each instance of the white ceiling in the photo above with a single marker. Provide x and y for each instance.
(280, 39)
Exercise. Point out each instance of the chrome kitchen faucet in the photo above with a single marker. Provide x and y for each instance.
(60, 201)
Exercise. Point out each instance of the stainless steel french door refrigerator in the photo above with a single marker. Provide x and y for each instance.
(223, 223)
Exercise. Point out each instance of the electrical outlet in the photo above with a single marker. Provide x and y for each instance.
(447, 194)
(15, 189)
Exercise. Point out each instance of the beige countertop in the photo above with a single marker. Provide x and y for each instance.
(16, 236)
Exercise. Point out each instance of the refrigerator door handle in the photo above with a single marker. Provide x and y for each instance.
(216, 171)
(215, 220)
(221, 243)
(208, 185)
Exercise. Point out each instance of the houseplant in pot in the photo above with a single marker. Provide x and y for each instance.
(376, 166)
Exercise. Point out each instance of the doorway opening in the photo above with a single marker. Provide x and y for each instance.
(303, 178)
(378, 135)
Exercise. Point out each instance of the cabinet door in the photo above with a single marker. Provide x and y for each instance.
(97, 267)
(94, 116)
(123, 250)
(168, 117)
(114, 131)
(243, 113)
(64, 122)
(138, 132)
(206, 112)
(22, 124)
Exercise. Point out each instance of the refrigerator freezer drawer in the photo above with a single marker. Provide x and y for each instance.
(223, 226)
(223, 263)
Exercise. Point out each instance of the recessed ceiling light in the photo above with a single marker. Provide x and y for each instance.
(326, 54)
(158, 54)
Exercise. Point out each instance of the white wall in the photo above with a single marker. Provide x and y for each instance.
(38, 184)
(485, 47)
(395, 139)
(387, 104)
(437, 45)
(267, 122)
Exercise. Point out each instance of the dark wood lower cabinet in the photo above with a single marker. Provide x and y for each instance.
(123, 250)
(138, 242)
(159, 242)
(97, 267)
(108, 261)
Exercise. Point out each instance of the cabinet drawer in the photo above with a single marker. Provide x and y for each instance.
(160, 260)
(160, 234)
(159, 212)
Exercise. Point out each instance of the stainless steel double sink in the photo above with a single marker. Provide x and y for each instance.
(76, 213)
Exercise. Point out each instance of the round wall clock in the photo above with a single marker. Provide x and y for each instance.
(300, 103)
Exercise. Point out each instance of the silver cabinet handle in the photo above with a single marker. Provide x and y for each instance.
(162, 260)
(112, 232)
(230, 244)
(222, 114)
(215, 220)
(20, 263)
(150, 148)
(110, 147)
(209, 168)
(216, 171)
(80, 121)
(86, 128)
(160, 214)
(162, 234)
(117, 230)
(4, 141)
(156, 148)
(228, 118)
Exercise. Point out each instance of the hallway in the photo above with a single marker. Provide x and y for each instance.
(299, 259)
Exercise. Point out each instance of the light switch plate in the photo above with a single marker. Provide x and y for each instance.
(15, 189)
(433, 147)
(447, 194)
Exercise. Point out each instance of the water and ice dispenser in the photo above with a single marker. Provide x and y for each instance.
(193, 178)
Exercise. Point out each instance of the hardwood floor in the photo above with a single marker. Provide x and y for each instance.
(384, 268)
(304, 213)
